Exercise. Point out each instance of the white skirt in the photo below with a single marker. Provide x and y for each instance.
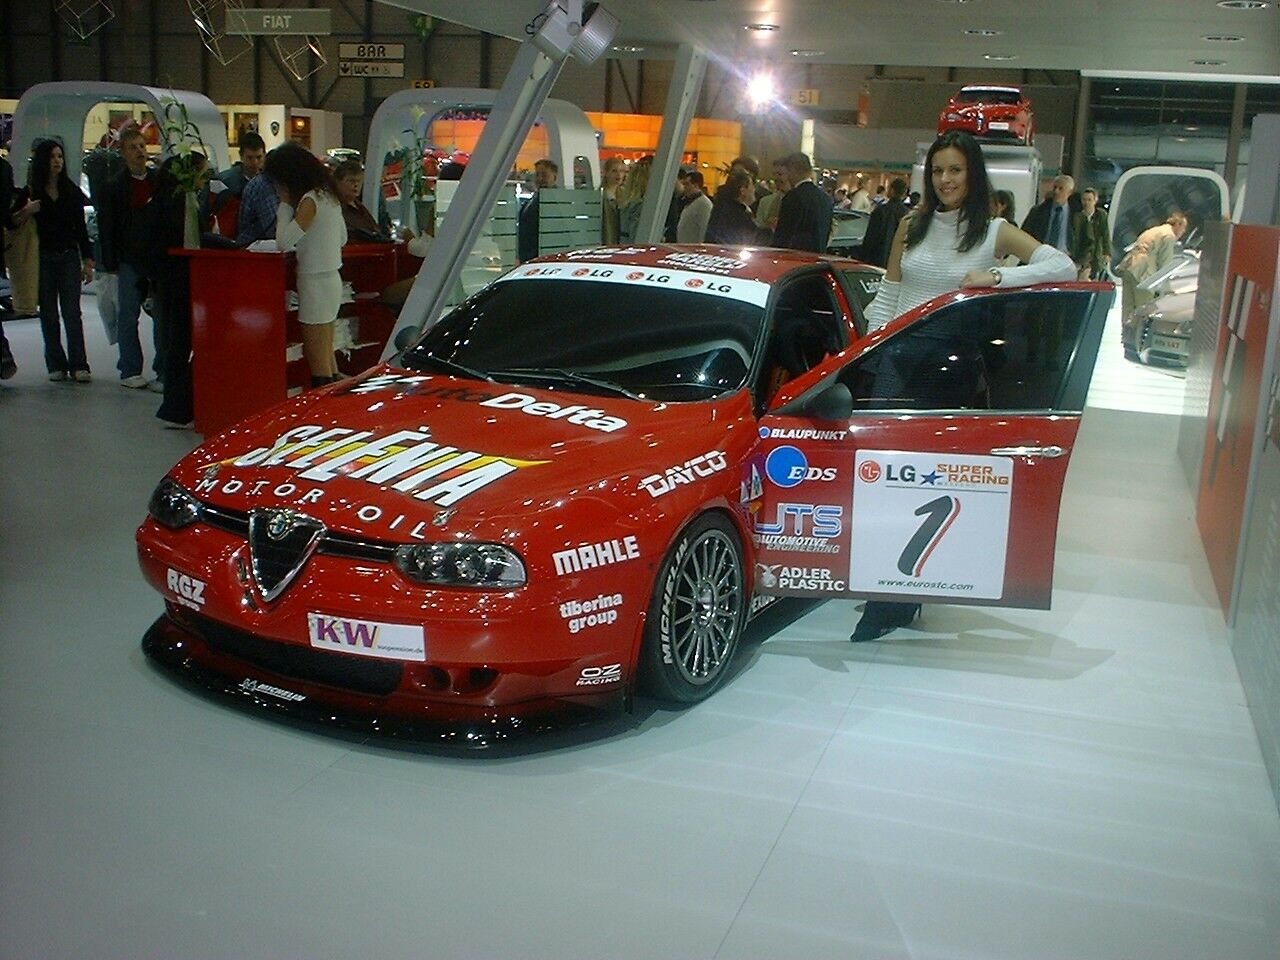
(319, 296)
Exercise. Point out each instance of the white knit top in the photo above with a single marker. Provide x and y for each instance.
(934, 266)
(319, 247)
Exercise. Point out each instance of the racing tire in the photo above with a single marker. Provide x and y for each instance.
(696, 615)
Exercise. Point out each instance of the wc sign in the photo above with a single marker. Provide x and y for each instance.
(928, 524)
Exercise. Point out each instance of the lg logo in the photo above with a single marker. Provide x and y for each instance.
(788, 467)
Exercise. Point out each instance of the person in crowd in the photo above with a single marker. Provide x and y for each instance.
(226, 191)
(1050, 220)
(310, 222)
(697, 211)
(681, 196)
(631, 199)
(883, 224)
(1150, 253)
(613, 173)
(752, 166)
(362, 225)
(913, 199)
(880, 197)
(951, 242)
(804, 215)
(22, 254)
(123, 228)
(172, 297)
(730, 222)
(1094, 252)
(1003, 206)
(767, 206)
(258, 206)
(7, 365)
(545, 174)
(859, 199)
(841, 198)
(66, 260)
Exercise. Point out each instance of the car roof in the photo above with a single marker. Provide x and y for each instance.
(766, 264)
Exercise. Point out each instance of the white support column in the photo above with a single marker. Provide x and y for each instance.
(682, 97)
(517, 106)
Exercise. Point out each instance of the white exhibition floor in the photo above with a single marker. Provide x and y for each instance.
(1082, 783)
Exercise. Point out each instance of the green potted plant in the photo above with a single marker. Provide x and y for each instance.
(190, 167)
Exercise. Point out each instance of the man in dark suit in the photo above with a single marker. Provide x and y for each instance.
(804, 215)
(884, 224)
(545, 174)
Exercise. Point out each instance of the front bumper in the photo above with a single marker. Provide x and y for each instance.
(283, 680)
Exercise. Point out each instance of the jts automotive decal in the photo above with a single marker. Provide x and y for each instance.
(930, 524)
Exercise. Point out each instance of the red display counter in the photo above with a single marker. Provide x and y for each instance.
(246, 342)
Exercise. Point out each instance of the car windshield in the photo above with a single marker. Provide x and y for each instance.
(597, 337)
(988, 96)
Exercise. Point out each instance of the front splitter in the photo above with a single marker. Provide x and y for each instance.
(184, 656)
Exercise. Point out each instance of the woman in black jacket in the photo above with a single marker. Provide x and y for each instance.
(66, 261)
(731, 223)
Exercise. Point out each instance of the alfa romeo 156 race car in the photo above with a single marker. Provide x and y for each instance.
(581, 482)
(990, 113)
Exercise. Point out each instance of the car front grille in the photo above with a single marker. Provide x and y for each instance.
(354, 674)
(331, 543)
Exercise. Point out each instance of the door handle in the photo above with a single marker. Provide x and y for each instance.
(1025, 451)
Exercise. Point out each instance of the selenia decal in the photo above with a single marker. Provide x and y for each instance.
(407, 460)
(930, 524)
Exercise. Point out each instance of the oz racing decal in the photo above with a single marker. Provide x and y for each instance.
(599, 676)
(733, 288)
(409, 461)
(930, 524)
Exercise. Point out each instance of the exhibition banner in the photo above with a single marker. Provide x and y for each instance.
(1235, 396)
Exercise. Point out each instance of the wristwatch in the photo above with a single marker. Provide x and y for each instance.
(996, 276)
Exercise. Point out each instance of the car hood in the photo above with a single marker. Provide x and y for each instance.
(454, 452)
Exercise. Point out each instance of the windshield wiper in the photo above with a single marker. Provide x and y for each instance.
(572, 376)
(453, 366)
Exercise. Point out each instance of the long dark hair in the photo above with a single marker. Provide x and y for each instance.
(1004, 198)
(975, 211)
(298, 170)
(40, 164)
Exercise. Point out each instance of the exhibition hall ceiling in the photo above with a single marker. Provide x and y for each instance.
(1129, 36)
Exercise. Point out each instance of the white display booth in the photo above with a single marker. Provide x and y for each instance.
(59, 110)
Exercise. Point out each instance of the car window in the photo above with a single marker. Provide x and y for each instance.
(808, 325)
(861, 286)
(663, 344)
(996, 352)
(988, 96)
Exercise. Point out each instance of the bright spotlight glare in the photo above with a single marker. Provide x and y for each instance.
(760, 88)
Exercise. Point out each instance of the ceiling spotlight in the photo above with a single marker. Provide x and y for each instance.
(1244, 4)
(954, 1)
(1208, 63)
(999, 56)
(979, 32)
(807, 53)
(1222, 38)
(626, 48)
(762, 27)
(761, 90)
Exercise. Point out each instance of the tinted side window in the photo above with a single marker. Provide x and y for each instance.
(997, 352)
(808, 325)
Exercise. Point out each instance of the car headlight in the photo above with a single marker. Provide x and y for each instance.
(955, 116)
(171, 506)
(461, 564)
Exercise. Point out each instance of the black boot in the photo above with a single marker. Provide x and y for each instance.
(880, 617)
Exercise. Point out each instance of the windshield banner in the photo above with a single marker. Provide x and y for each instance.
(733, 288)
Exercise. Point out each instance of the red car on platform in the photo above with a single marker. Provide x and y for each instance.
(584, 480)
(990, 113)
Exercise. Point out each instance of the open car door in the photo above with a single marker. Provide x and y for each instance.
(944, 482)
(1144, 196)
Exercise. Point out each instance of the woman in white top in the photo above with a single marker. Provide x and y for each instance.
(951, 242)
(310, 221)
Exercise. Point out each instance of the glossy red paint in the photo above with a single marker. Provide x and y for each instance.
(987, 112)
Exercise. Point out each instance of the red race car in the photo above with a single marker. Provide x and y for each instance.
(583, 481)
(990, 113)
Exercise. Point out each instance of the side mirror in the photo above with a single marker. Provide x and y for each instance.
(831, 403)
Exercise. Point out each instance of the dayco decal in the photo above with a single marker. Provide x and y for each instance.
(596, 612)
(596, 676)
(577, 413)
(187, 591)
(408, 460)
(704, 466)
(812, 528)
(778, 577)
(253, 686)
(591, 555)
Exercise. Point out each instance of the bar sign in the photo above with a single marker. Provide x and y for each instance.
(371, 51)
